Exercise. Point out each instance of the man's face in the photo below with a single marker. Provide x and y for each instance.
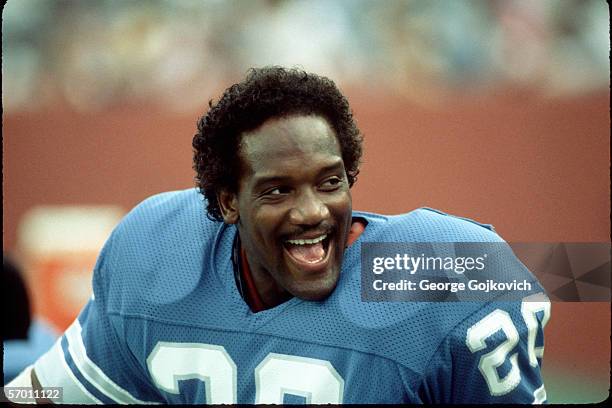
(293, 207)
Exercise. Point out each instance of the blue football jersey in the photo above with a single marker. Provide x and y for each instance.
(166, 324)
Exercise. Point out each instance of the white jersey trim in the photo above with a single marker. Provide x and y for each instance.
(539, 396)
(92, 372)
(23, 379)
(53, 371)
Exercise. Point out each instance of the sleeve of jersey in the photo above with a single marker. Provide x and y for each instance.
(91, 361)
(494, 356)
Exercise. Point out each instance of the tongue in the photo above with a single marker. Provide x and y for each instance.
(307, 253)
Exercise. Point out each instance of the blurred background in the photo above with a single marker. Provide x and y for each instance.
(495, 110)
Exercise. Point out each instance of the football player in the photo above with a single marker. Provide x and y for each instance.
(248, 290)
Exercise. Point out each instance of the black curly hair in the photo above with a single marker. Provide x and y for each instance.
(268, 92)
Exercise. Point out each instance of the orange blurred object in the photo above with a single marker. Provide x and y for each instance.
(60, 245)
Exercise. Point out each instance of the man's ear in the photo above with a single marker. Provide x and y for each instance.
(228, 203)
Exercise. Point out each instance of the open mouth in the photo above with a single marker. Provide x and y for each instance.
(309, 252)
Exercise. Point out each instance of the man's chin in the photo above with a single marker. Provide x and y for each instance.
(316, 290)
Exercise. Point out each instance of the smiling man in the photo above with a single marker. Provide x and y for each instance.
(248, 289)
(292, 209)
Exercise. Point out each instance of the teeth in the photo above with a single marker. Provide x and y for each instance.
(306, 241)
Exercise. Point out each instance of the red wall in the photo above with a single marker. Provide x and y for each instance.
(537, 169)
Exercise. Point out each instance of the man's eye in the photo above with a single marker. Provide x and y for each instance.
(276, 191)
(331, 183)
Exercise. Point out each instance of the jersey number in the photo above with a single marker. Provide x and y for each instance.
(500, 320)
(278, 374)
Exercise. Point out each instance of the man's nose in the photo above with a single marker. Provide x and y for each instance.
(308, 209)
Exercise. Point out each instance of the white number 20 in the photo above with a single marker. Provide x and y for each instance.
(500, 320)
(318, 382)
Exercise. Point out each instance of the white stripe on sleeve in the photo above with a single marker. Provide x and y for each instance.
(53, 371)
(93, 373)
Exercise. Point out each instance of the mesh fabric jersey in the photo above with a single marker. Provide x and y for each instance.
(167, 324)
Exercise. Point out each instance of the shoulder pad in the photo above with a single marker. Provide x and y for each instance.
(487, 226)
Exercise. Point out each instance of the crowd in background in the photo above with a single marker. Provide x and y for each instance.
(97, 52)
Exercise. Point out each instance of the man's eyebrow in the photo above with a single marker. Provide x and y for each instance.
(332, 167)
(263, 180)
